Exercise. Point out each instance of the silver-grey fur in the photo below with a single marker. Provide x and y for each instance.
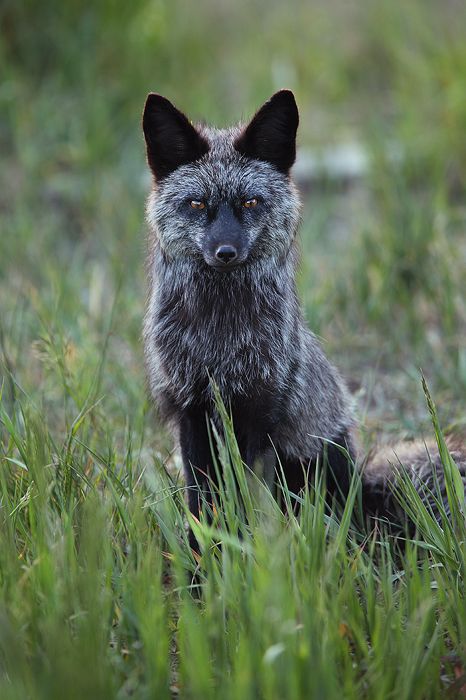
(266, 343)
(241, 327)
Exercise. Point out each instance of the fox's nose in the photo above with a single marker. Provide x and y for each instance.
(226, 254)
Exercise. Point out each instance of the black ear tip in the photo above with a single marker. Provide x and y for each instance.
(284, 93)
(285, 97)
(154, 101)
(286, 102)
(155, 105)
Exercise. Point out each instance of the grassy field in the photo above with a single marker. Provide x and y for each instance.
(96, 593)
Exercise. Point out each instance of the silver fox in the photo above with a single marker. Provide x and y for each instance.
(223, 217)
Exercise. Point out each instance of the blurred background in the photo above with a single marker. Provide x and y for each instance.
(381, 88)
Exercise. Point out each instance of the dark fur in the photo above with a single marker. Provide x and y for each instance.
(240, 325)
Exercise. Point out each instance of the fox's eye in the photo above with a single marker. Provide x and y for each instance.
(250, 203)
(196, 204)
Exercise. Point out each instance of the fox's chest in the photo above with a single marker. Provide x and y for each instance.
(239, 353)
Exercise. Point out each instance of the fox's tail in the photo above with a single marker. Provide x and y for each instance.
(421, 463)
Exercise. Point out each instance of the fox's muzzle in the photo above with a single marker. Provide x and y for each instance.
(226, 254)
(225, 257)
(225, 245)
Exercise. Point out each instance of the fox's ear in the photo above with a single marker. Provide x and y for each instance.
(171, 140)
(271, 134)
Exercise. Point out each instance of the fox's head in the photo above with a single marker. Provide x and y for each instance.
(223, 195)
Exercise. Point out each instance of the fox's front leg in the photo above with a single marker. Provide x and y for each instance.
(260, 457)
(197, 462)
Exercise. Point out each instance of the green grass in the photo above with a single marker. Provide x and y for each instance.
(98, 588)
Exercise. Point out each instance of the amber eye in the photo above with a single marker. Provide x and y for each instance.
(250, 203)
(196, 204)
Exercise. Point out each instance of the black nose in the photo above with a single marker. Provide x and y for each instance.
(226, 254)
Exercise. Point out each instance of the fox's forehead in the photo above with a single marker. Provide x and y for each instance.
(226, 177)
(223, 173)
(220, 140)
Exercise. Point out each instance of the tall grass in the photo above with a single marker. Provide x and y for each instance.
(100, 595)
(99, 589)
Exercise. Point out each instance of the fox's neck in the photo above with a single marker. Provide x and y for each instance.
(236, 328)
(245, 291)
